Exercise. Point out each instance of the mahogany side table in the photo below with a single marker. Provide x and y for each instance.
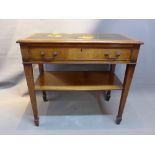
(61, 48)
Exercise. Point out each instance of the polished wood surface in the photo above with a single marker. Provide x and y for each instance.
(61, 48)
(78, 38)
(66, 51)
(126, 86)
(31, 88)
(41, 70)
(77, 80)
(67, 54)
(107, 93)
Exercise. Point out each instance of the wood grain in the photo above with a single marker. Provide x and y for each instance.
(78, 38)
(67, 54)
(77, 80)
(126, 86)
(30, 83)
(61, 48)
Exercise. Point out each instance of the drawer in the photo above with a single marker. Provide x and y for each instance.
(62, 54)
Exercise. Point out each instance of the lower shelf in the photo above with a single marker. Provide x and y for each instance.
(78, 80)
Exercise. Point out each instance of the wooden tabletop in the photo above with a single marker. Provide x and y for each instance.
(78, 38)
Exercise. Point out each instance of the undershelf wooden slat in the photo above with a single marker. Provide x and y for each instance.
(78, 80)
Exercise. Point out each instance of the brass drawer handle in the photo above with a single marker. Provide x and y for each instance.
(55, 53)
(42, 54)
(108, 56)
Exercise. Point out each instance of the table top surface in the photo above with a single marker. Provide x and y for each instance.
(78, 38)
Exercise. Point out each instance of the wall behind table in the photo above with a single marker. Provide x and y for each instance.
(11, 70)
(143, 30)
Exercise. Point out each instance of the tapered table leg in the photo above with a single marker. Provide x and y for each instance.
(107, 94)
(30, 83)
(41, 69)
(45, 96)
(126, 85)
(112, 67)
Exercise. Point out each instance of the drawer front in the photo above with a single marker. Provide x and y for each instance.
(62, 54)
